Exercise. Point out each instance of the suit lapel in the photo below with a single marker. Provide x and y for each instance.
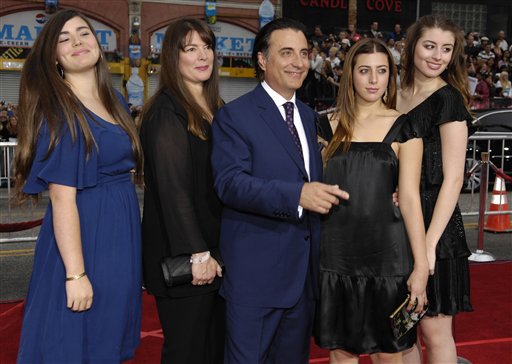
(273, 118)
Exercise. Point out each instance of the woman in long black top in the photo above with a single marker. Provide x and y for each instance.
(181, 210)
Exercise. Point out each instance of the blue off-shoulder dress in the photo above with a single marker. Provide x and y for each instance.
(110, 232)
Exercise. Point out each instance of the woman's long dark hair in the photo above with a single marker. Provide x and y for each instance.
(45, 95)
(455, 73)
(346, 107)
(176, 38)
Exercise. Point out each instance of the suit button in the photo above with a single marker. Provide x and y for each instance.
(306, 237)
(305, 179)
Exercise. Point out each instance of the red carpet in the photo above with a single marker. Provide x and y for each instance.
(483, 336)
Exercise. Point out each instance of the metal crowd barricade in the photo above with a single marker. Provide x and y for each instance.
(482, 166)
(6, 158)
(479, 165)
(7, 223)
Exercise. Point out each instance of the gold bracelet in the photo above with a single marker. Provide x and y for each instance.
(74, 278)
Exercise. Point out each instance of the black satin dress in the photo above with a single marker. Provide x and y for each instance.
(365, 256)
(448, 290)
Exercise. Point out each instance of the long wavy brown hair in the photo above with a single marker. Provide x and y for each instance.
(176, 37)
(455, 74)
(45, 95)
(346, 107)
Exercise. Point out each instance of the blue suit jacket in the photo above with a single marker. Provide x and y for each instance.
(259, 175)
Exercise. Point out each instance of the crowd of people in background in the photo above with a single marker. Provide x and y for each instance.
(8, 121)
(487, 59)
(327, 55)
(488, 63)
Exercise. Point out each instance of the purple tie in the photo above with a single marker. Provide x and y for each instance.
(288, 108)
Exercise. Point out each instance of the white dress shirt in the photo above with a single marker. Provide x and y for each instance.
(297, 121)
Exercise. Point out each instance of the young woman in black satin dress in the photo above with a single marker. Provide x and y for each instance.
(435, 96)
(372, 254)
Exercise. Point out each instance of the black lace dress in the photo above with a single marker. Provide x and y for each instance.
(448, 288)
(365, 256)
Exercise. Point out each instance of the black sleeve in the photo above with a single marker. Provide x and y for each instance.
(170, 178)
(451, 107)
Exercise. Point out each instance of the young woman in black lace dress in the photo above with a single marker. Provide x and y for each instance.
(435, 96)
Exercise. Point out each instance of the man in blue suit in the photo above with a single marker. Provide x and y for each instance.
(267, 169)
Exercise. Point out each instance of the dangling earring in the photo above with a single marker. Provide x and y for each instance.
(60, 70)
(384, 97)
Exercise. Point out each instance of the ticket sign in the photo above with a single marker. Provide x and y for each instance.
(21, 29)
(232, 40)
(234, 48)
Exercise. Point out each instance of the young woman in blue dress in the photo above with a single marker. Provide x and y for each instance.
(77, 141)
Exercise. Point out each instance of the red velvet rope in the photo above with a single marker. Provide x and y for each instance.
(500, 173)
(19, 226)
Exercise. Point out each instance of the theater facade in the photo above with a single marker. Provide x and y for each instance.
(130, 33)
(485, 17)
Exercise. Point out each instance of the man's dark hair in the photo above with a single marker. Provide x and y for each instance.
(261, 42)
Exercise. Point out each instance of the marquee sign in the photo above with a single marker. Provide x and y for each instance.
(332, 15)
(234, 48)
(21, 29)
(232, 40)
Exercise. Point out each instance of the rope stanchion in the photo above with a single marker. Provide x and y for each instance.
(480, 255)
(19, 226)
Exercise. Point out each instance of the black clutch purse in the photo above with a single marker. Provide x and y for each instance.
(402, 320)
(178, 270)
